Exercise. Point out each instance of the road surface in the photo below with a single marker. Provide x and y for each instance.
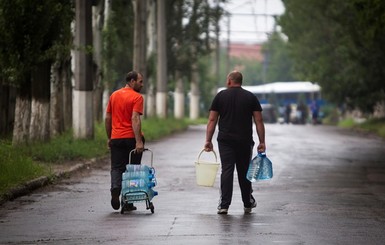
(328, 188)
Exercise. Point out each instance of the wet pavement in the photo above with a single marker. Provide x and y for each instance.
(328, 188)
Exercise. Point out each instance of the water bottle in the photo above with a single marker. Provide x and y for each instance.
(151, 193)
(260, 168)
(139, 171)
(265, 169)
(252, 172)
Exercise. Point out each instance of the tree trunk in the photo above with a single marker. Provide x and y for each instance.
(56, 107)
(194, 99)
(7, 105)
(67, 94)
(179, 96)
(40, 104)
(98, 24)
(83, 120)
(22, 114)
(161, 94)
(151, 52)
(150, 99)
(140, 40)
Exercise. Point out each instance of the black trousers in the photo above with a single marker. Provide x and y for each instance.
(120, 153)
(235, 154)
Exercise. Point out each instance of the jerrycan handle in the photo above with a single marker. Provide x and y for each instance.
(262, 154)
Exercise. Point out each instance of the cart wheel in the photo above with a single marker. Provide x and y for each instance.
(152, 207)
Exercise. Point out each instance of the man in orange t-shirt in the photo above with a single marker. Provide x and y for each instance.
(123, 127)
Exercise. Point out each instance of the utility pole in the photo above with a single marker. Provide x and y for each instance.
(140, 33)
(83, 123)
(228, 44)
(217, 51)
(161, 93)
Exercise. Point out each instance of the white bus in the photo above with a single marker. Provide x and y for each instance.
(281, 94)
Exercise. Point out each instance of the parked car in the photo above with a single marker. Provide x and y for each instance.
(268, 113)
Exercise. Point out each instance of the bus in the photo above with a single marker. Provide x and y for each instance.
(275, 97)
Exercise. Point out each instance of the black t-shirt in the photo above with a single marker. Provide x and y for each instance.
(235, 106)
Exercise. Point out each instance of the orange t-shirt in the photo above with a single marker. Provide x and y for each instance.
(121, 105)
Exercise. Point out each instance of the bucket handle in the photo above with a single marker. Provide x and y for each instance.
(215, 154)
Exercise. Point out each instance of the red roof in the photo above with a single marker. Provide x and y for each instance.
(246, 51)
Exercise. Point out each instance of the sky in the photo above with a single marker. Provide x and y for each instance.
(250, 20)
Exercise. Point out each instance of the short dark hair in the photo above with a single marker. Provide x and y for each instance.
(132, 75)
(236, 76)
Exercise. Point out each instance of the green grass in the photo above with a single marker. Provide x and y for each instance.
(347, 123)
(375, 125)
(17, 168)
(19, 164)
(155, 128)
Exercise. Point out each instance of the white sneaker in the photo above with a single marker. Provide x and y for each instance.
(248, 210)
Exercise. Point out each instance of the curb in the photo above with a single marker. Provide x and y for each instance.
(42, 181)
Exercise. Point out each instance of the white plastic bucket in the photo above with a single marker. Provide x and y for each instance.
(206, 171)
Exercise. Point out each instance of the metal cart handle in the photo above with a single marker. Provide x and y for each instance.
(145, 149)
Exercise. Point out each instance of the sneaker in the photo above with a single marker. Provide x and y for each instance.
(223, 210)
(248, 210)
(115, 202)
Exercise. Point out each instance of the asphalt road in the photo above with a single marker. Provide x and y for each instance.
(328, 188)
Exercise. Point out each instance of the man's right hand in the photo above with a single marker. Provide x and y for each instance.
(139, 147)
(208, 146)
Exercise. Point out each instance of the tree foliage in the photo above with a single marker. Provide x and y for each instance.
(277, 58)
(32, 32)
(340, 45)
(118, 42)
(190, 28)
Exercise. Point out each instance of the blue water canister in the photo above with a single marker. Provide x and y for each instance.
(151, 193)
(138, 184)
(135, 171)
(260, 168)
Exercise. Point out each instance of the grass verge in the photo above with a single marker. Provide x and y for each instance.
(20, 164)
(375, 126)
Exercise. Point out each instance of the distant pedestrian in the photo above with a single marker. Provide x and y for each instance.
(287, 113)
(314, 112)
(235, 109)
(302, 110)
(123, 128)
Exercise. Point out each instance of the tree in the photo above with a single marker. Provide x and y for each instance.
(340, 46)
(190, 28)
(117, 55)
(279, 64)
(32, 35)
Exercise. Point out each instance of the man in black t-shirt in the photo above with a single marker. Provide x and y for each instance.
(235, 109)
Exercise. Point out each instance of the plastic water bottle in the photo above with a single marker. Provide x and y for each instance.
(260, 168)
(265, 169)
(151, 193)
(139, 171)
(255, 163)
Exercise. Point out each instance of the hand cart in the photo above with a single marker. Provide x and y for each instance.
(137, 184)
